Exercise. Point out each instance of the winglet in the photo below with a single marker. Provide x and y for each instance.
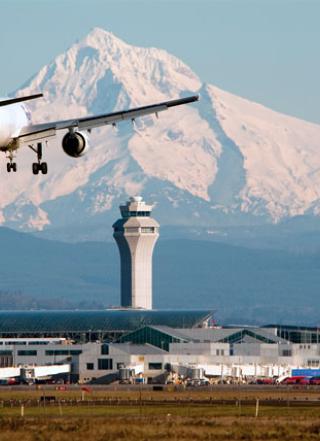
(18, 100)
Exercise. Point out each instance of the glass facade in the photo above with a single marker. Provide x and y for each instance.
(105, 364)
(63, 352)
(237, 337)
(104, 349)
(155, 366)
(27, 353)
(148, 229)
(39, 323)
(298, 334)
(152, 336)
(128, 213)
(286, 353)
(5, 353)
(6, 360)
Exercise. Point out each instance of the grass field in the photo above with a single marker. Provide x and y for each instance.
(171, 393)
(284, 414)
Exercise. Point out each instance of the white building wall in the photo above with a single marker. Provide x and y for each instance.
(249, 359)
(200, 348)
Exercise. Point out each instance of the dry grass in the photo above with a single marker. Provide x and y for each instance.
(180, 419)
(165, 428)
(171, 393)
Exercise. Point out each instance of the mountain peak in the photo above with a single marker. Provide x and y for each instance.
(222, 158)
(96, 31)
(102, 73)
(100, 38)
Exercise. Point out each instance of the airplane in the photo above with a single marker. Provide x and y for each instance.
(16, 128)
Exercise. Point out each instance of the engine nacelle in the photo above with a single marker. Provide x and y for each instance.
(75, 144)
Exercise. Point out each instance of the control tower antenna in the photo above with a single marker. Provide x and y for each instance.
(136, 234)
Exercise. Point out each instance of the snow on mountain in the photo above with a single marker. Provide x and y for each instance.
(222, 158)
(280, 155)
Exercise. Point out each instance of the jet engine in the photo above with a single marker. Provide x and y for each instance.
(75, 144)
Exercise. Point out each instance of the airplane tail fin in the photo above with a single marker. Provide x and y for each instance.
(18, 100)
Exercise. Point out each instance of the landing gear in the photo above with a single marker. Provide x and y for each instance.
(11, 165)
(39, 166)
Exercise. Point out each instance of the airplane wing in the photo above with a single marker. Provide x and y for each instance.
(39, 131)
(19, 100)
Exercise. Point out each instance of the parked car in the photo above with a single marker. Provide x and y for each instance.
(315, 381)
(265, 381)
(299, 379)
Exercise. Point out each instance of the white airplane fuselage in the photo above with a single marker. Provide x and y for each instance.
(12, 119)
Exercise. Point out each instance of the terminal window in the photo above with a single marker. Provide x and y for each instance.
(26, 353)
(313, 363)
(5, 353)
(6, 361)
(155, 366)
(147, 229)
(105, 363)
(136, 213)
(287, 353)
(63, 352)
(105, 350)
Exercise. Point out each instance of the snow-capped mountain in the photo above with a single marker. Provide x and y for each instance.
(223, 159)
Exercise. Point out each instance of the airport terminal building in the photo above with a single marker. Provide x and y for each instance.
(150, 346)
(136, 343)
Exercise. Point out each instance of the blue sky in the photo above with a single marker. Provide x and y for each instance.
(265, 50)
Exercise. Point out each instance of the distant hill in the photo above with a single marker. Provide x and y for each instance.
(46, 269)
(243, 285)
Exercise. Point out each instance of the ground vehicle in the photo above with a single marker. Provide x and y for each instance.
(298, 379)
(315, 381)
(265, 381)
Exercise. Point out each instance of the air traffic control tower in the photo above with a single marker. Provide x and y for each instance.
(136, 234)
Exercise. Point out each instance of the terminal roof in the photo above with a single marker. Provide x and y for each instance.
(66, 322)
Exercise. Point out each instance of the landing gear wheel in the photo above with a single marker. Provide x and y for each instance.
(39, 167)
(44, 168)
(35, 168)
(11, 166)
